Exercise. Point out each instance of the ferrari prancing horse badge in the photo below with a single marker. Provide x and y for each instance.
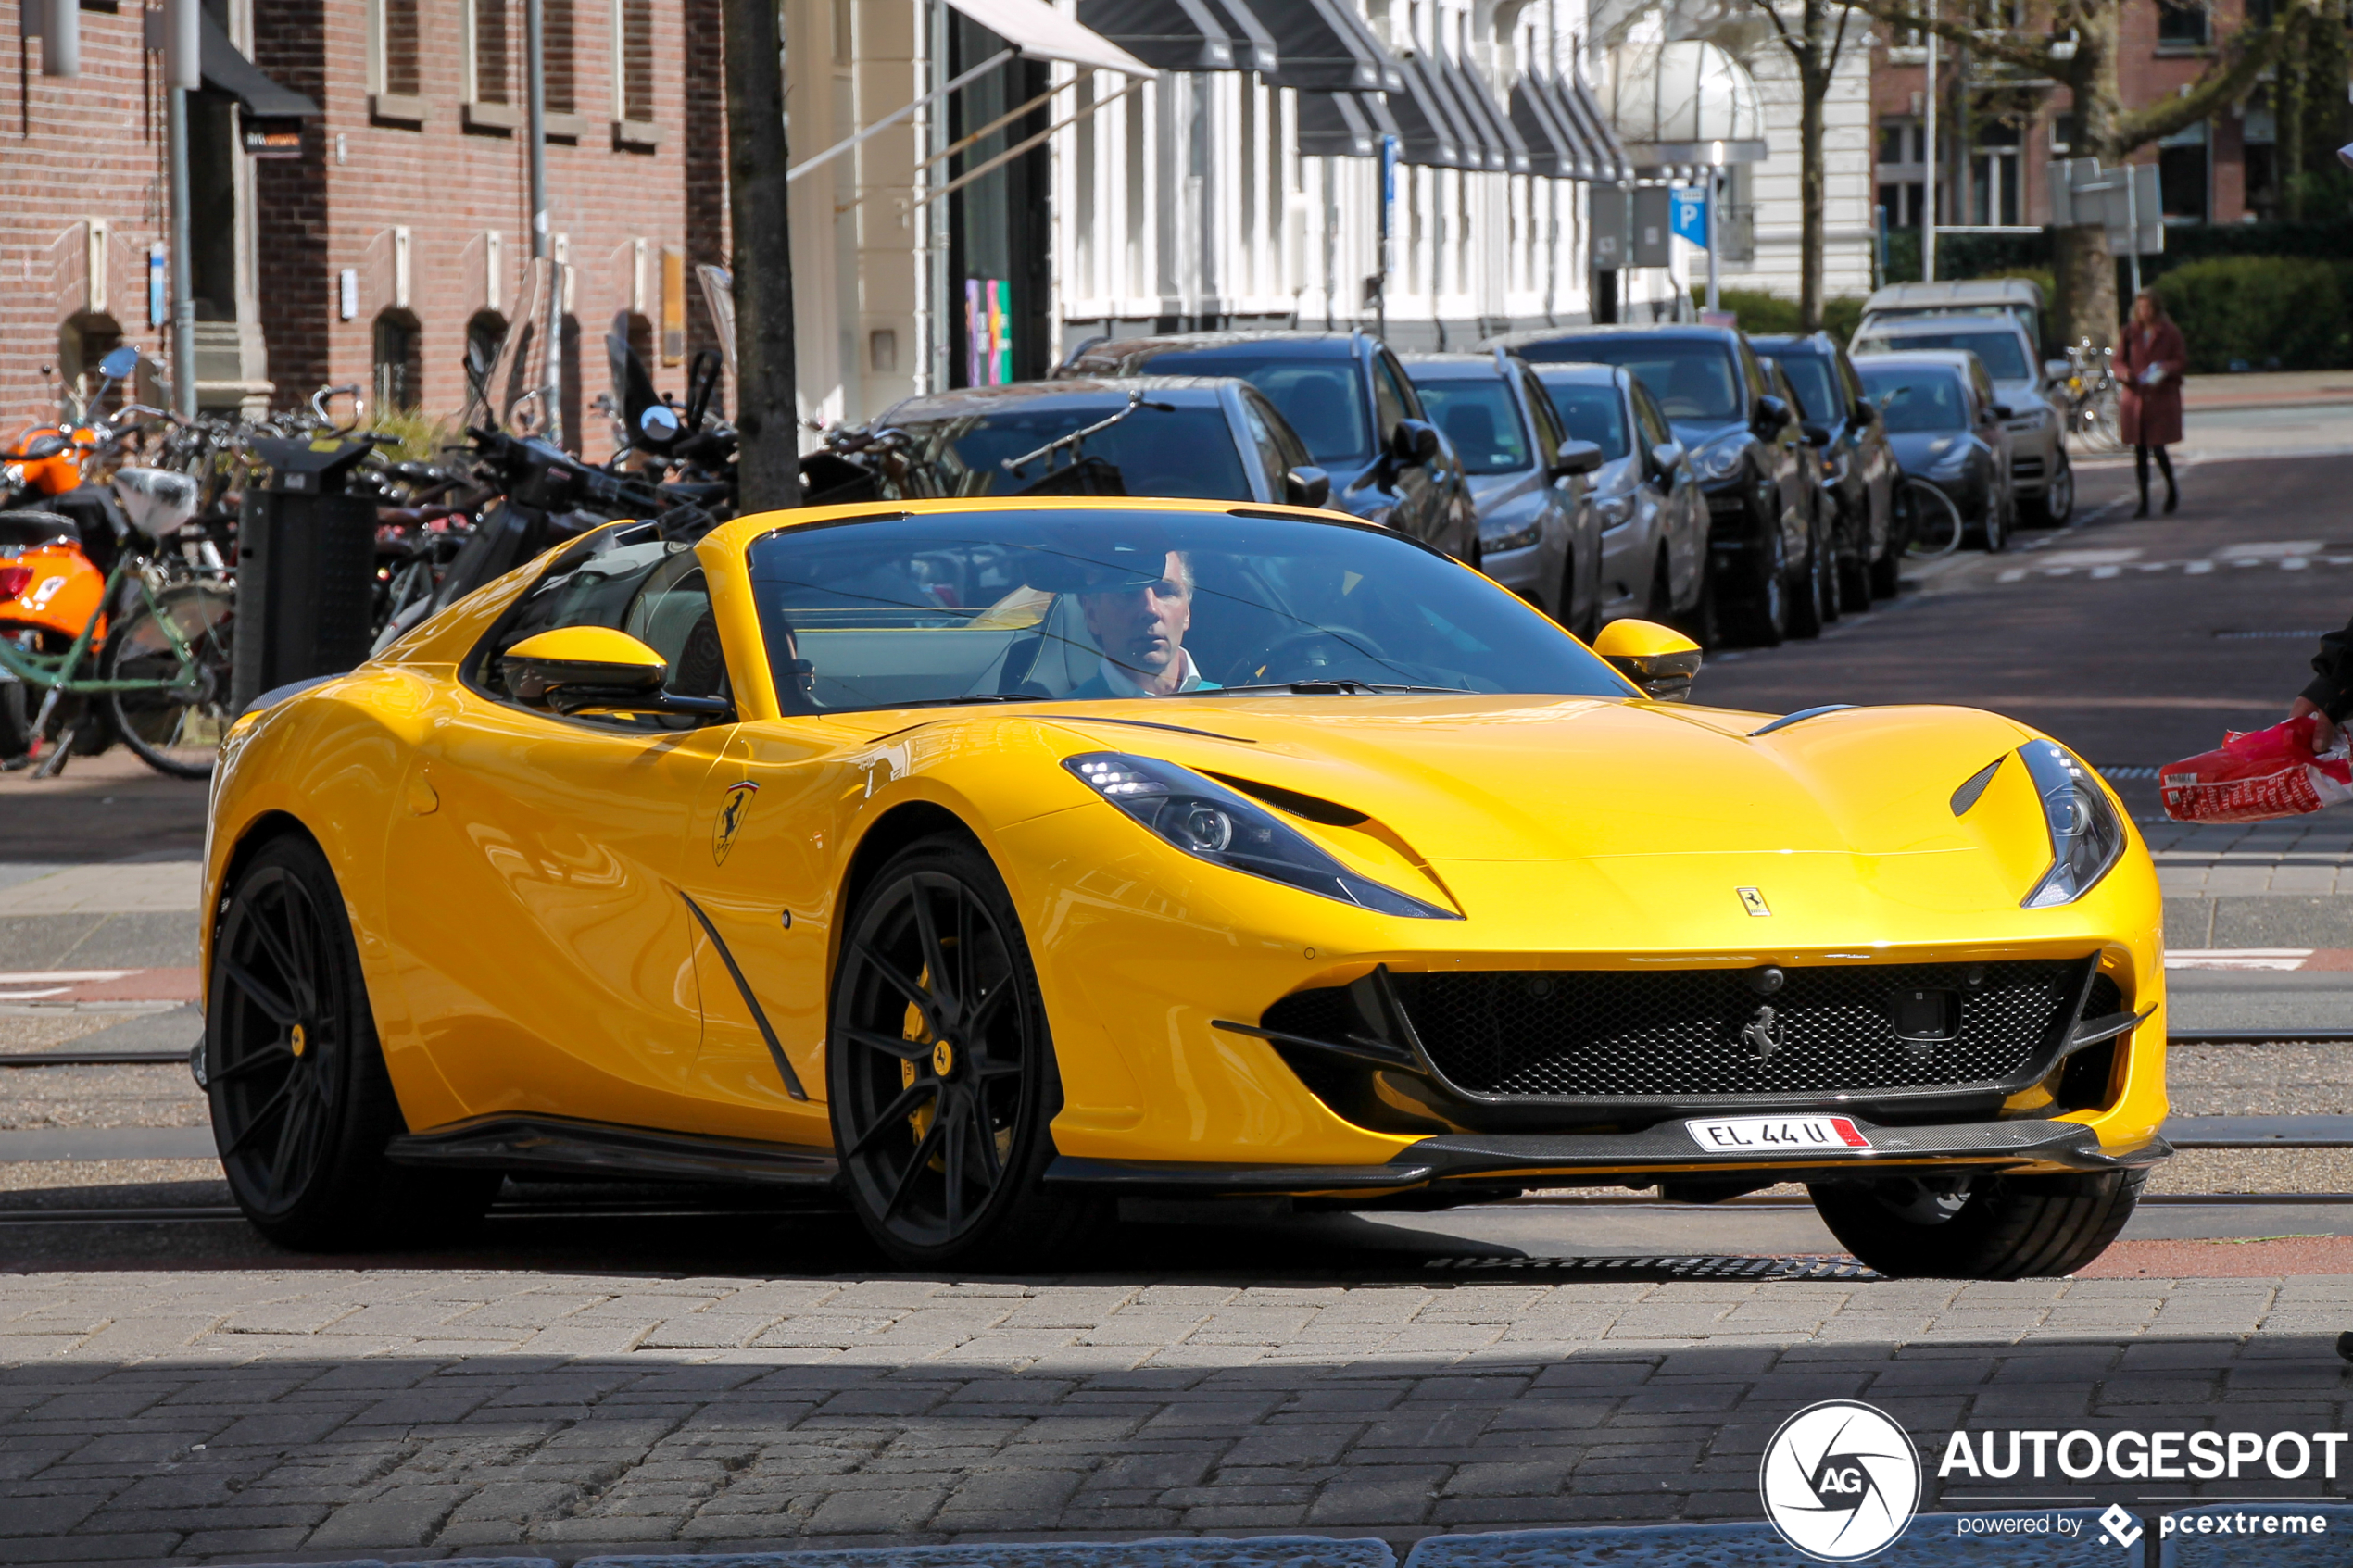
(731, 820)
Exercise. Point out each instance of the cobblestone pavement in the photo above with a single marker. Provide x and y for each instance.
(2308, 856)
(145, 1416)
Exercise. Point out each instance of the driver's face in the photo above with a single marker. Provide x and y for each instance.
(1144, 629)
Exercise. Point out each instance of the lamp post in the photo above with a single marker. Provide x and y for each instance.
(552, 387)
(182, 74)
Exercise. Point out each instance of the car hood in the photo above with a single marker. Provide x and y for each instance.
(1647, 815)
(1696, 433)
(1489, 491)
(1913, 447)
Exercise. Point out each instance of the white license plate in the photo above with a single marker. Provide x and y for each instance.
(1778, 1134)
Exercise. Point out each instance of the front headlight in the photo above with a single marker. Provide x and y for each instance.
(1721, 461)
(1615, 511)
(2033, 419)
(2086, 833)
(1211, 822)
(1519, 538)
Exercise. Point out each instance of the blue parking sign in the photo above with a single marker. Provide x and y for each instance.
(1689, 210)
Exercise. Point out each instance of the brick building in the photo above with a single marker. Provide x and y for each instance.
(2220, 170)
(400, 228)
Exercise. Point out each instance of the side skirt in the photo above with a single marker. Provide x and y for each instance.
(555, 1145)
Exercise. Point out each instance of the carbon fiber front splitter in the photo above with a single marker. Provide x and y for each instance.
(1663, 1151)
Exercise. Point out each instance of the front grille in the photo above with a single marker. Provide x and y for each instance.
(2026, 467)
(1677, 1034)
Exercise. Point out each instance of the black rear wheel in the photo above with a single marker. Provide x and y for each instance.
(176, 725)
(302, 1107)
(1763, 616)
(941, 1069)
(1979, 1227)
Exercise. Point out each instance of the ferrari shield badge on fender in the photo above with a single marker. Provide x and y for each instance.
(1753, 901)
(731, 820)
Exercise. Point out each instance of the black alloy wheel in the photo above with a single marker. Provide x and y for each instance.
(2056, 504)
(1979, 1227)
(302, 1107)
(941, 1070)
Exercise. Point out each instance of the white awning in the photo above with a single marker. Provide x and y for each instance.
(1684, 102)
(1037, 30)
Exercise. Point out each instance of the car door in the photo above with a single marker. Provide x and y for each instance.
(1874, 460)
(544, 955)
(1784, 452)
(1432, 501)
(1991, 428)
(1682, 515)
(1570, 499)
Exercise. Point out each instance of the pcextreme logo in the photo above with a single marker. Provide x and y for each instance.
(1839, 1480)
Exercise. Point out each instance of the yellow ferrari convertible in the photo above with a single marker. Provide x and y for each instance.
(980, 862)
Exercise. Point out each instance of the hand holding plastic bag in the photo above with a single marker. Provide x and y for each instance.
(2258, 775)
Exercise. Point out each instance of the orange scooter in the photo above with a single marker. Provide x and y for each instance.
(49, 591)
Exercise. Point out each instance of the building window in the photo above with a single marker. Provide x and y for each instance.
(2181, 25)
(560, 66)
(1994, 185)
(489, 103)
(2182, 175)
(399, 360)
(633, 46)
(395, 69)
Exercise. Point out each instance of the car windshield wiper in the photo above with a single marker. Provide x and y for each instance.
(1327, 688)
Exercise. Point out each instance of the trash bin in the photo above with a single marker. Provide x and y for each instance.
(306, 567)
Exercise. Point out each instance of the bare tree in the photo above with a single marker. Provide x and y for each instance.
(767, 412)
(2080, 49)
(1816, 48)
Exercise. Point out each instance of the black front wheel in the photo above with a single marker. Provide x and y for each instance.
(302, 1107)
(1979, 1227)
(941, 1069)
(1763, 587)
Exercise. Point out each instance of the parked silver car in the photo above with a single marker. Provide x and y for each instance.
(1645, 496)
(2040, 473)
(1536, 527)
(2019, 297)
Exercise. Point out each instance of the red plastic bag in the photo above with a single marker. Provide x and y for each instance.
(2258, 775)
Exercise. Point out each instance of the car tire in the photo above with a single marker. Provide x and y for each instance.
(1701, 622)
(1659, 606)
(15, 725)
(1987, 1227)
(1809, 594)
(303, 1110)
(1855, 589)
(943, 1094)
(2056, 504)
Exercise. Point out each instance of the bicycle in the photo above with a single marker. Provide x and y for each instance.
(1931, 524)
(2090, 399)
(157, 638)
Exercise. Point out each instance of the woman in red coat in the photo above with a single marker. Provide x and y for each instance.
(2150, 362)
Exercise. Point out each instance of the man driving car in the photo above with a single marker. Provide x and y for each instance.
(1140, 627)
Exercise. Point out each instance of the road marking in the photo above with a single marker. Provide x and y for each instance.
(2238, 958)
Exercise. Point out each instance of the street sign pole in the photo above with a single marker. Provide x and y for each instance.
(1714, 175)
(1928, 161)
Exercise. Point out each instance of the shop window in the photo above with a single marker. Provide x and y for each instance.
(399, 362)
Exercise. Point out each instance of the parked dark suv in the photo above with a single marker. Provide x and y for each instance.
(1858, 470)
(1745, 442)
(1348, 399)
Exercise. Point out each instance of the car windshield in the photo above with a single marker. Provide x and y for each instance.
(2005, 357)
(1479, 417)
(940, 607)
(1153, 451)
(1811, 378)
(1914, 397)
(1692, 378)
(1592, 412)
(1318, 397)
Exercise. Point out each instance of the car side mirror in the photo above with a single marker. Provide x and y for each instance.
(1865, 411)
(2004, 411)
(1658, 658)
(1413, 442)
(1815, 435)
(1770, 414)
(575, 667)
(1306, 486)
(1576, 456)
(1666, 458)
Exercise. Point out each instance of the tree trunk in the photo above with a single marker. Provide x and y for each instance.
(767, 416)
(1813, 85)
(2086, 270)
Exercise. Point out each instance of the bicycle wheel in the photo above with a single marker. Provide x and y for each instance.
(175, 724)
(1932, 522)
(2098, 423)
